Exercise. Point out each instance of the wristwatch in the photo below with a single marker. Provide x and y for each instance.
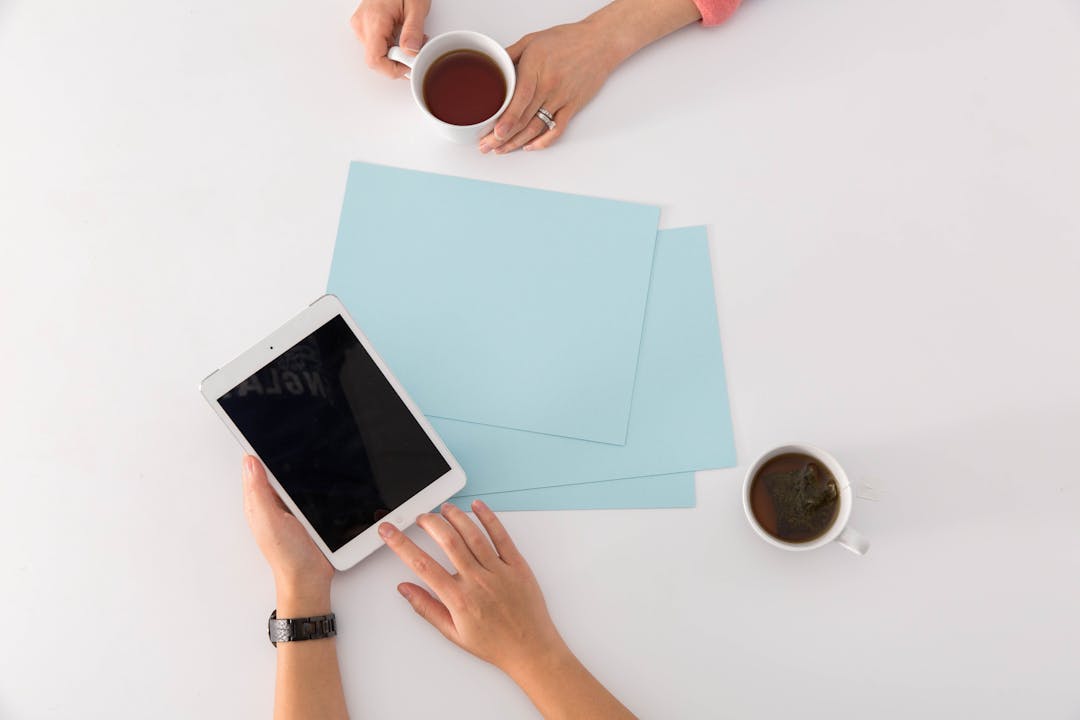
(305, 628)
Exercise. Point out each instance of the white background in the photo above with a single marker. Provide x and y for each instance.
(893, 196)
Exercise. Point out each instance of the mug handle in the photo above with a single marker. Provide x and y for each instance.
(398, 55)
(853, 540)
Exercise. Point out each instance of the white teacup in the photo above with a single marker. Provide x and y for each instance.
(839, 531)
(434, 49)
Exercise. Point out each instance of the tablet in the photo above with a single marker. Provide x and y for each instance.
(343, 444)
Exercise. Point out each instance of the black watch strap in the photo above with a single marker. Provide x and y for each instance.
(305, 628)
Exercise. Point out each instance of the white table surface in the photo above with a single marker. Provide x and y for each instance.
(892, 196)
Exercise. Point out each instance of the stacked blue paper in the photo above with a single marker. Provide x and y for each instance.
(499, 304)
(425, 287)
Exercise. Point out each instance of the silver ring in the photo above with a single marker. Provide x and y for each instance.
(546, 117)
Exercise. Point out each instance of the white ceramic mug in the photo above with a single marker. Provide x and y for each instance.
(840, 531)
(434, 49)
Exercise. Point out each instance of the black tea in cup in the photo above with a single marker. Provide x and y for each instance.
(464, 87)
(795, 498)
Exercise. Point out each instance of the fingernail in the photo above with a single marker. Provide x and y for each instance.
(527, 147)
(411, 44)
(446, 507)
(480, 505)
(501, 131)
(248, 467)
(405, 591)
(386, 530)
(484, 147)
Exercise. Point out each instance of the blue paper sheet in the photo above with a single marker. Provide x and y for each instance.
(680, 419)
(498, 304)
(654, 491)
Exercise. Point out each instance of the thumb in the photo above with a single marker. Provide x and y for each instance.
(261, 503)
(430, 609)
(412, 28)
(515, 50)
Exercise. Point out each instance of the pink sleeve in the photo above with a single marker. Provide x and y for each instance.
(714, 12)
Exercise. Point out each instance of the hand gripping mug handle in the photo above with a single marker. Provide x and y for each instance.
(398, 55)
(853, 540)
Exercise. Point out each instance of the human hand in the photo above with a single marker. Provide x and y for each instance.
(493, 606)
(302, 573)
(560, 69)
(375, 22)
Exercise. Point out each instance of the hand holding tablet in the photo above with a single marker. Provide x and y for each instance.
(343, 444)
(350, 461)
(298, 565)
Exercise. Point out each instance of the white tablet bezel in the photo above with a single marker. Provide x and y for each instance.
(315, 316)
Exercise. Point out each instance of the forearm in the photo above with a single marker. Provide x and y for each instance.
(630, 25)
(561, 687)
(308, 678)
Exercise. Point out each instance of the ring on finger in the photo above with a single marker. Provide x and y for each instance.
(546, 117)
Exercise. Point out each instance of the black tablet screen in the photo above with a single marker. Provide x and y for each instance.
(328, 424)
